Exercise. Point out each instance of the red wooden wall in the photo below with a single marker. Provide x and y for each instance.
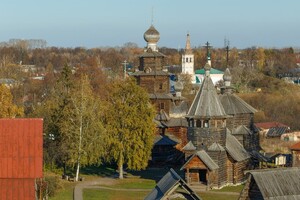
(21, 157)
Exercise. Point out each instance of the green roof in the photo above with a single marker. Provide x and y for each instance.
(212, 71)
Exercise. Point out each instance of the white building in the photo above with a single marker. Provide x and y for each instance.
(187, 62)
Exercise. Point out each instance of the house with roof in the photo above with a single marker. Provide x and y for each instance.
(167, 188)
(277, 184)
(295, 150)
(272, 129)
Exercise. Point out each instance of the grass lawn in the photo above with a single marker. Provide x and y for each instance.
(106, 194)
(66, 193)
(214, 196)
(134, 183)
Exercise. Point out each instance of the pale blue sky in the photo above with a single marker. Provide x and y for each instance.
(95, 23)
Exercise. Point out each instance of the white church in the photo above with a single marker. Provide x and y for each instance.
(187, 66)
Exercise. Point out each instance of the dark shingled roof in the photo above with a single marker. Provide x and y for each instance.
(206, 104)
(278, 184)
(276, 131)
(204, 157)
(168, 184)
(233, 104)
(235, 149)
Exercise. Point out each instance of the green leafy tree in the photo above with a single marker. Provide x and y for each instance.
(72, 116)
(7, 108)
(129, 125)
(82, 130)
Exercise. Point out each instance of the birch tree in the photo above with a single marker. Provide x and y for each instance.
(129, 125)
(82, 130)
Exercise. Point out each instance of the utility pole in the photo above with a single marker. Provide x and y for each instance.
(125, 65)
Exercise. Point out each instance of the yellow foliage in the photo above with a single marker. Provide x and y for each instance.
(7, 108)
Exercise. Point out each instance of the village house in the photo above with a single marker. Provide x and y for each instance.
(272, 129)
(272, 184)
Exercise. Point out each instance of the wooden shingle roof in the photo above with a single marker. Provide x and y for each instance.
(233, 104)
(235, 149)
(278, 184)
(241, 130)
(205, 158)
(189, 147)
(206, 103)
(168, 184)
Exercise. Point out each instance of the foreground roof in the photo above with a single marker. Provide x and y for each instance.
(206, 103)
(278, 184)
(168, 184)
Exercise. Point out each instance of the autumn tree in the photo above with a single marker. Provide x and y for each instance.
(7, 108)
(73, 126)
(129, 125)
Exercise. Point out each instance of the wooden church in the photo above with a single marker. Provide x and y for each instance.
(171, 109)
(212, 138)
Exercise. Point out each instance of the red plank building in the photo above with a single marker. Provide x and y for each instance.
(21, 157)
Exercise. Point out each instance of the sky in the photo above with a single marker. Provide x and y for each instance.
(100, 23)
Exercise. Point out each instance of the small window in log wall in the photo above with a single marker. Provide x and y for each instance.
(206, 123)
(160, 86)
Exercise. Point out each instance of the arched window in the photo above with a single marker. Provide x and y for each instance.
(187, 59)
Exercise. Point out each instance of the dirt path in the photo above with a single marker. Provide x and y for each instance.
(77, 195)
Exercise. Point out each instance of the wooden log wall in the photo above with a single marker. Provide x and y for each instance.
(240, 119)
(206, 136)
(181, 134)
(230, 169)
(155, 63)
(155, 84)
